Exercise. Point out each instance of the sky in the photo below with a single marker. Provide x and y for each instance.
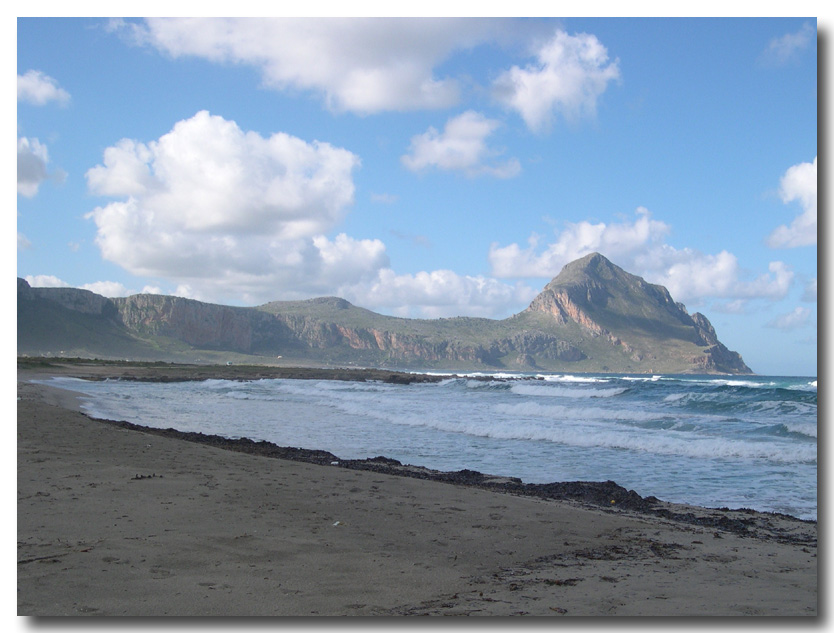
(427, 167)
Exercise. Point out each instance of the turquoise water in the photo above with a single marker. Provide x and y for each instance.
(706, 440)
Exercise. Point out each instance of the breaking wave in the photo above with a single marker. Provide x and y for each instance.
(677, 437)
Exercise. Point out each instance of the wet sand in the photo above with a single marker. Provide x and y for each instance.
(119, 521)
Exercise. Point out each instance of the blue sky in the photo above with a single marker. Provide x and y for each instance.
(427, 168)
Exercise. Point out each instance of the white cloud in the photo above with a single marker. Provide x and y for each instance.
(690, 275)
(575, 241)
(39, 89)
(786, 49)
(736, 306)
(108, 289)
(32, 161)
(346, 259)
(792, 320)
(439, 293)
(46, 281)
(227, 213)
(638, 247)
(23, 242)
(126, 170)
(116, 289)
(362, 65)
(799, 183)
(32, 158)
(208, 175)
(569, 75)
(461, 147)
(103, 288)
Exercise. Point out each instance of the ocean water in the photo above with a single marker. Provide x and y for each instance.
(713, 441)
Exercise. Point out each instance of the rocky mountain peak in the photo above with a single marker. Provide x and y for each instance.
(608, 303)
(331, 302)
(593, 284)
(592, 265)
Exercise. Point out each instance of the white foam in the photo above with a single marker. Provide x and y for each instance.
(664, 442)
(573, 413)
(564, 392)
(559, 427)
(803, 428)
(571, 378)
(497, 375)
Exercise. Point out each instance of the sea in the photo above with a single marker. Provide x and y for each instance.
(713, 441)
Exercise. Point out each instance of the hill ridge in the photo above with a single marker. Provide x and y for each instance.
(592, 317)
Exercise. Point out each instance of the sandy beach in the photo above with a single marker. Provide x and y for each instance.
(113, 522)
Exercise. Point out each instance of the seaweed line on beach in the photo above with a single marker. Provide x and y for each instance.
(604, 495)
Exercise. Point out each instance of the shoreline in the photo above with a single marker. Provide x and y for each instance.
(605, 495)
(622, 537)
(598, 493)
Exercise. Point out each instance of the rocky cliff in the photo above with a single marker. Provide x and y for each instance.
(593, 317)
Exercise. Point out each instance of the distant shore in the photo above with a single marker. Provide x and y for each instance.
(175, 372)
(115, 518)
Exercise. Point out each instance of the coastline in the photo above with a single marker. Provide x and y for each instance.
(134, 516)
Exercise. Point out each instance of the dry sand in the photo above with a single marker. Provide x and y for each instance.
(119, 522)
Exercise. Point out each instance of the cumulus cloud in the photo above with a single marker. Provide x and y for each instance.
(347, 259)
(796, 319)
(568, 77)
(46, 281)
(32, 158)
(228, 212)
(39, 89)
(575, 241)
(784, 50)
(440, 293)
(208, 175)
(798, 184)
(108, 289)
(638, 246)
(691, 275)
(32, 161)
(103, 288)
(362, 65)
(231, 216)
(460, 147)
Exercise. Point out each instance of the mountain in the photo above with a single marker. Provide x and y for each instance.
(639, 318)
(593, 317)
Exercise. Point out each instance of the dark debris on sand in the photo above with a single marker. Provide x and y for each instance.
(606, 495)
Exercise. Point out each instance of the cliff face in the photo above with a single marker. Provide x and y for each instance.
(592, 317)
(409, 348)
(54, 321)
(199, 324)
(75, 299)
